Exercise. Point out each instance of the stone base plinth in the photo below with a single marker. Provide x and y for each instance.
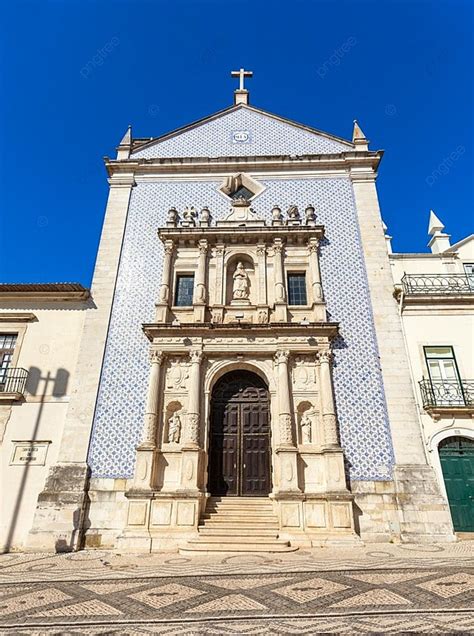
(61, 510)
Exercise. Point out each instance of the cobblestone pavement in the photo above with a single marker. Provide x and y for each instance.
(370, 589)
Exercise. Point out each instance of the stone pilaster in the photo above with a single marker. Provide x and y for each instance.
(262, 273)
(146, 451)
(192, 438)
(286, 450)
(279, 281)
(165, 288)
(328, 409)
(200, 292)
(313, 248)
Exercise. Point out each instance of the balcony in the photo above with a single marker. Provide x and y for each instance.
(438, 284)
(447, 395)
(12, 383)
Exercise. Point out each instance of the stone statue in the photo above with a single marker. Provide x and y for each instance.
(189, 216)
(293, 213)
(276, 214)
(205, 216)
(306, 425)
(172, 216)
(310, 215)
(240, 289)
(174, 429)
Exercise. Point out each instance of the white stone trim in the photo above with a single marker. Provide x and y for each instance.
(433, 453)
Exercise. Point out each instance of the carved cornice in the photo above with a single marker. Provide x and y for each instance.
(218, 236)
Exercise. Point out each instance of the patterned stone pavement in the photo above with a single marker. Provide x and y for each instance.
(374, 589)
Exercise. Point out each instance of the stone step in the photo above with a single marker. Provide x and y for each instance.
(235, 506)
(237, 532)
(236, 539)
(204, 546)
(239, 520)
(254, 515)
(238, 501)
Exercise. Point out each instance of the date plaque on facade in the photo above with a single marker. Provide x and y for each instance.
(31, 453)
(241, 137)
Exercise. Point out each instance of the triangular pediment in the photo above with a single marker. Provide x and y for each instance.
(239, 131)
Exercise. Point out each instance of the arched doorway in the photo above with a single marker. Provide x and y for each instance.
(239, 440)
(456, 455)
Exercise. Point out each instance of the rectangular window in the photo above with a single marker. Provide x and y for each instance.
(184, 290)
(7, 347)
(297, 289)
(445, 383)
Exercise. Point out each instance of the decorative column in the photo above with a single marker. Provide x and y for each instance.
(199, 300)
(313, 248)
(194, 401)
(219, 300)
(262, 273)
(280, 295)
(146, 450)
(286, 450)
(191, 453)
(164, 295)
(284, 405)
(327, 400)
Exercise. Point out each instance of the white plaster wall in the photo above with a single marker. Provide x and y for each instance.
(49, 348)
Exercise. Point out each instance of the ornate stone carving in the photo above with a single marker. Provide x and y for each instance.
(277, 216)
(240, 289)
(313, 245)
(174, 429)
(196, 356)
(324, 356)
(189, 216)
(293, 213)
(178, 375)
(330, 429)
(205, 217)
(261, 250)
(155, 357)
(193, 428)
(282, 356)
(285, 428)
(262, 316)
(304, 374)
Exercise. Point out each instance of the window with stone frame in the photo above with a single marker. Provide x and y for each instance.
(184, 289)
(297, 288)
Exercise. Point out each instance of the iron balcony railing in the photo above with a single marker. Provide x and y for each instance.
(444, 393)
(445, 284)
(13, 380)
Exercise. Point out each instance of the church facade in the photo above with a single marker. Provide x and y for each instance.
(243, 369)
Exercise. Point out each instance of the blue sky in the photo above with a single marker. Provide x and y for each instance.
(403, 69)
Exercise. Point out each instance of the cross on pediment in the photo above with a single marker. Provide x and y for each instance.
(241, 74)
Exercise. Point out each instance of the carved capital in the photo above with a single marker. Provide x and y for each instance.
(313, 245)
(156, 357)
(261, 250)
(203, 246)
(277, 246)
(282, 356)
(196, 356)
(169, 247)
(324, 357)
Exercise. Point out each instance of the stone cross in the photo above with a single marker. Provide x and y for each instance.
(241, 74)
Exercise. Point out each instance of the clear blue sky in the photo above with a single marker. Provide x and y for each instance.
(405, 74)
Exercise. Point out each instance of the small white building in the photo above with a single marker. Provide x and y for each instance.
(435, 294)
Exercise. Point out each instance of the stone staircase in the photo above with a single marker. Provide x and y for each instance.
(238, 524)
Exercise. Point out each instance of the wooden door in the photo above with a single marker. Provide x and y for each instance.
(457, 462)
(239, 449)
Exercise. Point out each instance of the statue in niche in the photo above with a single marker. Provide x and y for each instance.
(240, 289)
(306, 426)
(174, 429)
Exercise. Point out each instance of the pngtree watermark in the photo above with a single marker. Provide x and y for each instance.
(335, 58)
(445, 166)
(99, 58)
